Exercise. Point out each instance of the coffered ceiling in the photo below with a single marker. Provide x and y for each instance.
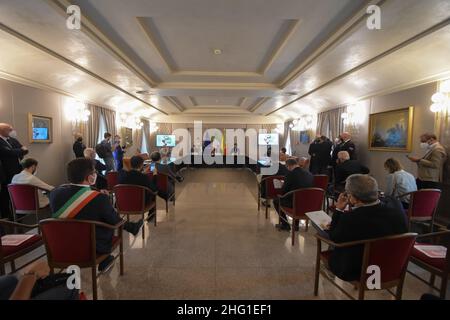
(260, 60)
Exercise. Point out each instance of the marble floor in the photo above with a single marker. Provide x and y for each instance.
(215, 245)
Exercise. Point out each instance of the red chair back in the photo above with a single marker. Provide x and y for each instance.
(423, 203)
(24, 197)
(112, 179)
(321, 181)
(391, 255)
(68, 241)
(308, 200)
(271, 191)
(162, 182)
(129, 198)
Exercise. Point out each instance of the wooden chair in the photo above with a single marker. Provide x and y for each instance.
(390, 254)
(112, 179)
(436, 266)
(321, 182)
(132, 200)
(164, 192)
(72, 242)
(303, 201)
(271, 192)
(422, 206)
(11, 253)
(25, 200)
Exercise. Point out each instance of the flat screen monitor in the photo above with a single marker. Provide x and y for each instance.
(40, 133)
(270, 139)
(165, 140)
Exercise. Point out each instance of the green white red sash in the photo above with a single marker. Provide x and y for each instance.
(75, 204)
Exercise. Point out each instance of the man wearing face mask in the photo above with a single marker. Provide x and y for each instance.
(430, 166)
(369, 218)
(78, 201)
(345, 143)
(11, 152)
(28, 176)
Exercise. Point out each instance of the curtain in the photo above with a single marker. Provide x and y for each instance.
(443, 132)
(146, 132)
(93, 125)
(284, 138)
(330, 123)
(110, 120)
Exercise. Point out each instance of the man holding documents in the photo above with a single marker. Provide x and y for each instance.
(296, 178)
(368, 218)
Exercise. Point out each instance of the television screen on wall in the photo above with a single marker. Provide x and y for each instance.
(270, 139)
(165, 140)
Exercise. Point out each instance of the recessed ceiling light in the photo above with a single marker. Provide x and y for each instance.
(217, 51)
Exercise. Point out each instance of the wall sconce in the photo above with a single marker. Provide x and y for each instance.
(153, 127)
(76, 111)
(279, 129)
(304, 123)
(441, 99)
(355, 114)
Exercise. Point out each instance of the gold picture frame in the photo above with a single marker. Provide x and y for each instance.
(391, 131)
(40, 129)
(127, 136)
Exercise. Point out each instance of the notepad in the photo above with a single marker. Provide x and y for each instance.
(319, 218)
(438, 252)
(15, 239)
(278, 184)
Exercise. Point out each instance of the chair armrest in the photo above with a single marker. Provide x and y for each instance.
(433, 234)
(359, 242)
(15, 224)
(108, 226)
(404, 195)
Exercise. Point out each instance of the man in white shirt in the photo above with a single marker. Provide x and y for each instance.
(27, 176)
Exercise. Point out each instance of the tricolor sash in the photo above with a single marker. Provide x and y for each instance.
(76, 203)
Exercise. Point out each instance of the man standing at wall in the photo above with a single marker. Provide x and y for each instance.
(430, 166)
(10, 155)
(104, 151)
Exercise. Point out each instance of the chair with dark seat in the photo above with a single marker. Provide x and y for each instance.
(25, 201)
(9, 253)
(132, 200)
(112, 179)
(436, 266)
(422, 206)
(162, 183)
(303, 201)
(390, 254)
(271, 192)
(72, 242)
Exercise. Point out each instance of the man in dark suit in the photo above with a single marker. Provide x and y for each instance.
(136, 177)
(297, 178)
(369, 218)
(345, 168)
(78, 146)
(11, 151)
(320, 152)
(166, 170)
(101, 183)
(345, 144)
(78, 201)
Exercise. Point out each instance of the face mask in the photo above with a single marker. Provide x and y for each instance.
(424, 145)
(92, 179)
(13, 134)
(34, 172)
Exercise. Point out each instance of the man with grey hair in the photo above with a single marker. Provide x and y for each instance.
(360, 215)
(346, 167)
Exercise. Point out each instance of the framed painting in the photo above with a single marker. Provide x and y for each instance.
(40, 129)
(127, 136)
(305, 137)
(391, 130)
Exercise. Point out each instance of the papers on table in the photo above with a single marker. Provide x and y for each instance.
(278, 184)
(319, 218)
(15, 239)
(432, 251)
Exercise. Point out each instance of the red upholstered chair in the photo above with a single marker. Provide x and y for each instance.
(390, 254)
(131, 200)
(436, 266)
(422, 206)
(303, 201)
(162, 182)
(24, 200)
(11, 253)
(321, 182)
(112, 179)
(72, 242)
(271, 192)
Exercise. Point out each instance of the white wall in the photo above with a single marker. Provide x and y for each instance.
(16, 101)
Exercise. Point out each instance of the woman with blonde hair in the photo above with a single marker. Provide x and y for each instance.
(398, 181)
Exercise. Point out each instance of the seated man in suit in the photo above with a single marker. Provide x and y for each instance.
(27, 176)
(78, 201)
(101, 183)
(345, 168)
(166, 170)
(297, 178)
(369, 218)
(136, 177)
